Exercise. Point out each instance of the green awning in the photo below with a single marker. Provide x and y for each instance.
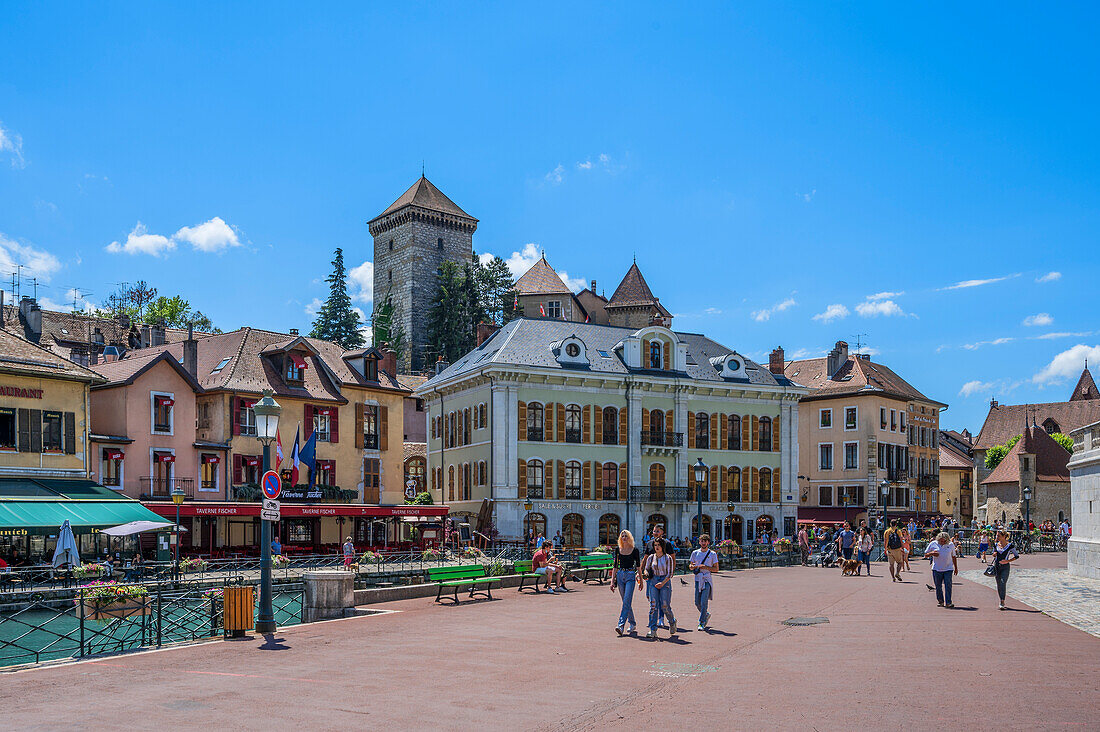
(37, 516)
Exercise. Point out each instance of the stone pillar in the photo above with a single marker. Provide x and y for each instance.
(327, 594)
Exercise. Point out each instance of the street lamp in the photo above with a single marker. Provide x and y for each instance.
(177, 498)
(845, 499)
(731, 507)
(1027, 509)
(885, 487)
(267, 412)
(527, 506)
(700, 469)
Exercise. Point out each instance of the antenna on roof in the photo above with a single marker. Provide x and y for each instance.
(34, 281)
(422, 168)
(859, 341)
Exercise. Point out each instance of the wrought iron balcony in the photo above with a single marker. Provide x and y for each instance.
(611, 437)
(928, 481)
(160, 488)
(658, 494)
(534, 492)
(370, 442)
(662, 439)
(573, 435)
(534, 435)
(897, 475)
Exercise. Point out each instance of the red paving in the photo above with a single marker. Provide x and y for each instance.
(888, 658)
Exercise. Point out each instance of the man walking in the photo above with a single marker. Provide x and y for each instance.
(895, 551)
(845, 541)
(703, 561)
(945, 565)
(804, 545)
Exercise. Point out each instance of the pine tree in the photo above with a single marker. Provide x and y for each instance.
(336, 320)
(448, 319)
(498, 294)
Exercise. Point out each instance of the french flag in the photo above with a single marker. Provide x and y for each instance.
(278, 450)
(294, 461)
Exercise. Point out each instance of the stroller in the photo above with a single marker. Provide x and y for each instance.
(825, 555)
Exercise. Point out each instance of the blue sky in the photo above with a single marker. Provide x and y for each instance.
(786, 174)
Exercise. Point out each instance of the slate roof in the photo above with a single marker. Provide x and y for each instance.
(854, 376)
(633, 290)
(1086, 387)
(541, 279)
(20, 356)
(247, 371)
(1004, 421)
(410, 381)
(424, 194)
(1051, 459)
(526, 342)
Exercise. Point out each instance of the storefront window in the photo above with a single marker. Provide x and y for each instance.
(51, 431)
(299, 531)
(111, 471)
(7, 429)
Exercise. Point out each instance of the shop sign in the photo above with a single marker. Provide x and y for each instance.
(18, 391)
(13, 532)
(540, 506)
(294, 493)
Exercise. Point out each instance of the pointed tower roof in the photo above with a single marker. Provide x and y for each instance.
(633, 290)
(1086, 387)
(424, 194)
(1051, 459)
(541, 279)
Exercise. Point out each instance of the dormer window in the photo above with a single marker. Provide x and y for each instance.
(570, 351)
(655, 352)
(370, 368)
(295, 367)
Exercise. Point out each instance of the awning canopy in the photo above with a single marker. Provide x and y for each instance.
(36, 516)
(137, 527)
(298, 360)
(210, 459)
(164, 457)
(114, 454)
(293, 510)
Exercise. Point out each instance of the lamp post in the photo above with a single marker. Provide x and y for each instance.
(845, 500)
(1027, 511)
(884, 486)
(700, 469)
(527, 506)
(177, 498)
(730, 507)
(267, 426)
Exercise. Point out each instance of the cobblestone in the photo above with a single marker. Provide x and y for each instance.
(1073, 600)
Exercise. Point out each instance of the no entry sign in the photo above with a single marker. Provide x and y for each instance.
(271, 484)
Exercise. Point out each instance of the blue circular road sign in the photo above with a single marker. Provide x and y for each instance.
(272, 484)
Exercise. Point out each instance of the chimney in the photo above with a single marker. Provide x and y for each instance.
(837, 358)
(593, 288)
(191, 352)
(157, 334)
(775, 361)
(441, 366)
(124, 321)
(389, 360)
(146, 337)
(294, 331)
(485, 331)
(32, 319)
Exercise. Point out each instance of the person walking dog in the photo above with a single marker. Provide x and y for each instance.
(626, 579)
(703, 561)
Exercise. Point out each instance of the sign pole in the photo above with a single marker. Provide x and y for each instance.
(265, 622)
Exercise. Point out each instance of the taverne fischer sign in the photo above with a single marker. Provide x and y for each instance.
(16, 391)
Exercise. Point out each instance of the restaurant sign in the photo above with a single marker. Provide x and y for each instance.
(18, 391)
(299, 493)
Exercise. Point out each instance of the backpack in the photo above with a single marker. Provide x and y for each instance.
(894, 542)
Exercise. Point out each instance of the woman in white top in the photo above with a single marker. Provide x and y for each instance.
(945, 565)
(659, 567)
(864, 544)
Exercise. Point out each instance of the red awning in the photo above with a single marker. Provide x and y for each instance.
(114, 454)
(829, 514)
(298, 360)
(165, 401)
(250, 461)
(293, 510)
(164, 457)
(322, 410)
(210, 459)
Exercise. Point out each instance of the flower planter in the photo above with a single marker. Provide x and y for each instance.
(102, 611)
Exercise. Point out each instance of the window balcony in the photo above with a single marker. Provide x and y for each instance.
(658, 494)
(155, 488)
(534, 491)
(573, 494)
(897, 475)
(662, 439)
(534, 435)
(370, 442)
(610, 493)
(928, 481)
(573, 435)
(610, 437)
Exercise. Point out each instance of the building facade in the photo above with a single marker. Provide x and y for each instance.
(1084, 471)
(956, 494)
(585, 429)
(860, 425)
(412, 238)
(1035, 462)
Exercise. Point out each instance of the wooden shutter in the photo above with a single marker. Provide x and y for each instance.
(691, 431)
(755, 490)
(775, 434)
(746, 432)
(622, 481)
(776, 486)
(586, 484)
(236, 415)
(586, 424)
(522, 426)
(724, 483)
(332, 472)
(623, 428)
(560, 419)
(723, 432)
(70, 433)
(559, 468)
(645, 353)
(691, 484)
(383, 428)
(359, 407)
(669, 422)
(645, 420)
(667, 363)
(715, 471)
(522, 479)
(35, 430)
(548, 422)
(755, 425)
(238, 469)
(597, 425)
(334, 425)
(309, 421)
(24, 430)
(714, 431)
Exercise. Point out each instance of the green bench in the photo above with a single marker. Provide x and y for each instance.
(472, 576)
(524, 570)
(598, 563)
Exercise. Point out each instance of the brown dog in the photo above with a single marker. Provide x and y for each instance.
(848, 567)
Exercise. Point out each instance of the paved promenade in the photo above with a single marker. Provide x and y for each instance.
(1073, 600)
(887, 658)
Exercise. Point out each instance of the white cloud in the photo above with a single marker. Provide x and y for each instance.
(834, 311)
(712, 311)
(140, 241)
(871, 309)
(973, 387)
(995, 342)
(1067, 364)
(1049, 277)
(761, 316)
(805, 353)
(213, 236)
(867, 351)
(12, 144)
(555, 175)
(586, 165)
(314, 307)
(605, 159)
(884, 295)
(1062, 334)
(36, 262)
(521, 261)
(807, 197)
(1038, 319)
(978, 283)
(576, 284)
(362, 282)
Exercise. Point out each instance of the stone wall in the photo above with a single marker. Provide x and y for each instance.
(1084, 471)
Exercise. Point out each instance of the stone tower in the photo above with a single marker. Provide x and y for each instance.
(633, 304)
(412, 238)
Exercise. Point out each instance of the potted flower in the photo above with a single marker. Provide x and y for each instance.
(87, 571)
(193, 564)
(783, 544)
(214, 593)
(431, 555)
(280, 562)
(472, 552)
(106, 601)
(728, 547)
(370, 557)
(602, 549)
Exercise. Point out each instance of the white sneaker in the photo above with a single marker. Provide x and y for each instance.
(651, 634)
(619, 630)
(700, 627)
(550, 590)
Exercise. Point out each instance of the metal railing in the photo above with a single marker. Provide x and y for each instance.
(928, 481)
(611, 437)
(572, 435)
(156, 487)
(653, 438)
(658, 494)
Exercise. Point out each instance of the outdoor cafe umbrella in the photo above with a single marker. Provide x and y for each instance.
(137, 527)
(66, 552)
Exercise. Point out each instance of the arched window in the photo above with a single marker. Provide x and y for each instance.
(482, 474)
(536, 524)
(765, 523)
(655, 350)
(1050, 426)
(466, 482)
(572, 529)
(609, 530)
(573, 480)
(734, 432)
(765, 434)
(765, 485)
(610, 426)
(451, 429)
(656, 482)
(656, 427)
(534, 479)
(695, 525)
(735, 528)
(610, 481)
(572, 423)
(702, 431)
(656, 519)
(534, 422)
(415, 469)
(451, 483)
(734, 484)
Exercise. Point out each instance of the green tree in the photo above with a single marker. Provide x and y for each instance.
(995, 454)
(1064, 440)
(337, 321)
(448, 324)
(497, 293)
(386, 329)
(421, 499)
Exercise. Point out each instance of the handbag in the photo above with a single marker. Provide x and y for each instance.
(990, 571)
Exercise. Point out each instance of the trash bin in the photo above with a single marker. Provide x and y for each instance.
(238, 606)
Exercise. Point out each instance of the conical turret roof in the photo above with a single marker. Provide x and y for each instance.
(541, 279)
(424, 194)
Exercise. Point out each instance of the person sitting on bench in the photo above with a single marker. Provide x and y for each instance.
(544, 562)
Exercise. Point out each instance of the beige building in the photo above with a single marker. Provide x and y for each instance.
(956, 494)
(860, 425)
